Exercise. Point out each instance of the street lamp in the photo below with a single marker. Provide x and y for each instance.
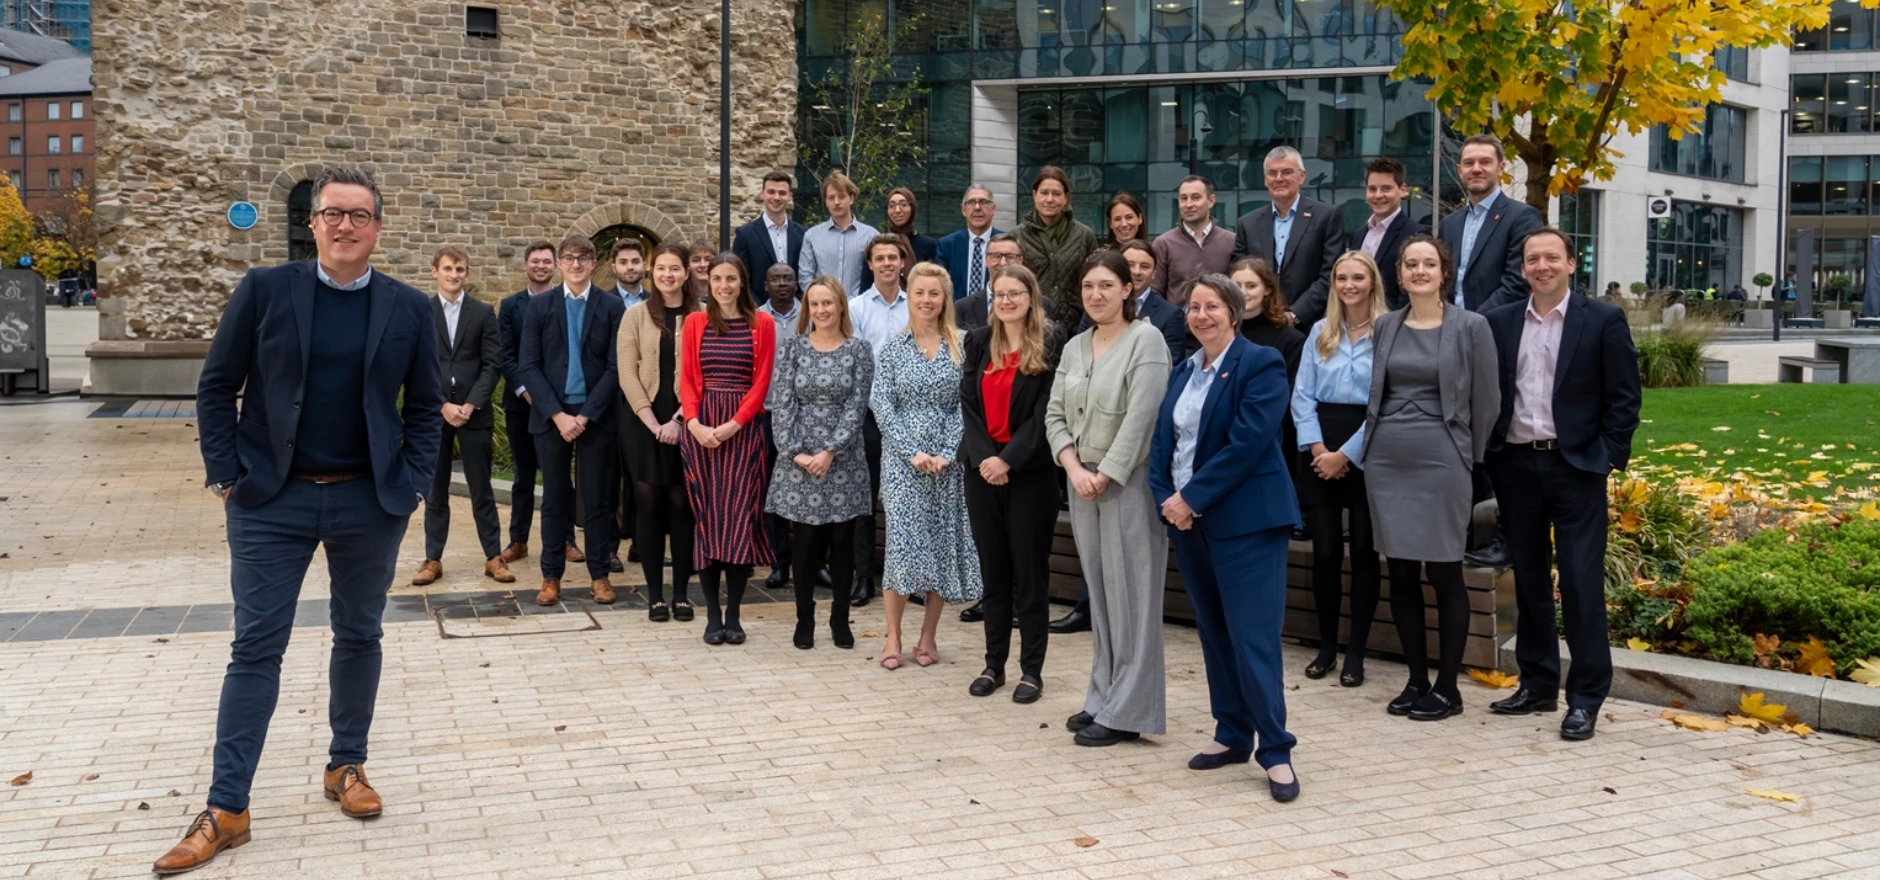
(724, 126)
(1782, 216)
(1200, 129)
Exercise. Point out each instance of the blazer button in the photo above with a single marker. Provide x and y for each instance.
(297, 404)
(290, 442)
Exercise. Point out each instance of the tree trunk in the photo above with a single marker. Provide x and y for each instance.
(1540, 170)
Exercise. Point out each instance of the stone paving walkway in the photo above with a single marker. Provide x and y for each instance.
(633, 750)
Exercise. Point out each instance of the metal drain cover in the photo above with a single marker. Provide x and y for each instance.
(471, 622)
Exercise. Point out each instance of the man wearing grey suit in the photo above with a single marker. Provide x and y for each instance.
(1299, 237)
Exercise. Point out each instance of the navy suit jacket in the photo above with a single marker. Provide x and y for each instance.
(1166, 317)
(260, 355)
(955, 253)
(1493, 276)
(1305, 276)
(1596, 382)
(1240, 483)
(1388, 252)
(751, 243)
(509, 332)
(544, 358)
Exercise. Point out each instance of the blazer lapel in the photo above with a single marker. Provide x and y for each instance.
(303, 313)
(1229, 360)
(443, 326)
(1446, 365)
(1386, 333)
(1569, 337)
(1263, 231)
(1488, 229)
(379, 314)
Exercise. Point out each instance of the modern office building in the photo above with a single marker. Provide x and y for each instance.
(65, 20)
(1834, 143)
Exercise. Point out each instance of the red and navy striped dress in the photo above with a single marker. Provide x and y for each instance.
(726, 485)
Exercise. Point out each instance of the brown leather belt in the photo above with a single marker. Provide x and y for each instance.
(323, 479)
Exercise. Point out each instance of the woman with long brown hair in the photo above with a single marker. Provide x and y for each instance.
(1055, 245)
(648, 365)
(1126, 220)
(901, 210)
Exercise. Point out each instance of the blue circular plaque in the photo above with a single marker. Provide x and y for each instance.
(243, 215)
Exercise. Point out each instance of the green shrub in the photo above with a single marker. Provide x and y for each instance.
(1652, 533)
(1822, 581)
(1673, 357)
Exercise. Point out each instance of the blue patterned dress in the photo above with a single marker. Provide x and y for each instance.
(917, 404)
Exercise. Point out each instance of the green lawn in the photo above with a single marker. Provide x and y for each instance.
(1823, 438)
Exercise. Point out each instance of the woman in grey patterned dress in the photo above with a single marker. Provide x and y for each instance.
(916, 399)
(818, 398)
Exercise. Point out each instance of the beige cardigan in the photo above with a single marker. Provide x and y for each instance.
(1108, 409)
(637, 346)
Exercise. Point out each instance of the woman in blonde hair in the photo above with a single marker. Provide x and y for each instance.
(1011, 482)
(916, 400)
(1328, 402)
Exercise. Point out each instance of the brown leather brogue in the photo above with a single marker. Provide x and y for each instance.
(356, 798)
(573, 553)
(551, 592)
(516, 550)
(428, 573)
(495, 570)
(213, 831)
(603, 592)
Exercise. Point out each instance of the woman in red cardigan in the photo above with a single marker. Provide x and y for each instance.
(724, 373)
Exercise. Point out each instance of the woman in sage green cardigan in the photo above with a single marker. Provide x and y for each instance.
(1101, 415)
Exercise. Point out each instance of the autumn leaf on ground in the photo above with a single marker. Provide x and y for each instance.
(1767, 644)
(1086, 841)
(1798, 728)
(1740, 721)
(23, 778)
(1867, 672)
(1752, 706)
(1638, 644)
(1494, 678)
(1869, 511)
(1773, 795)
(1814, 659)
(1696, 722)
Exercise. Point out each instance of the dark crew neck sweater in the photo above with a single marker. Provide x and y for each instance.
(332, 434)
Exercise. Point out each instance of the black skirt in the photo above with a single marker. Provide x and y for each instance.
(1337, 422)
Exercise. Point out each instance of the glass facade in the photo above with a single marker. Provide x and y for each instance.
(1839, 198)
(1715, 150)
(1697, 247)
(1849, 28)
(1834, 103)
(1579, 219)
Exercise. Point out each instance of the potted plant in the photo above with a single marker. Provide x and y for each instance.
(1639, 289)
(1757, 314)
(1840, 317)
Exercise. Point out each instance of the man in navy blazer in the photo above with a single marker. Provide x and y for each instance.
(1389, 226)
(1569, 406)
(318, 452)
(1301, 246)
(759, 242)
(538, 262)
(963, 253)
(569, 365)
(1484, 237)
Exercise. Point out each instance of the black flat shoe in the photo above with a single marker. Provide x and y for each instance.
(917, 599)
(805, 637)
(682, 611)
(633, 552)
(734, 634)
(986, 683)
(1524, 702)
(1028, 691)
(714, 635)
(614, 564)
(840, 634)
(1098, 735)
(1284, 791)
(864, 590)
(1074, 622)
(1351, 679)
(778, 577)
(823, 579)
(1205, 761)
(658, 613)
(973, 613)
(1578, 724)
(1435, 707)
(1411, 694)
(1079, 721)
(1321, 667)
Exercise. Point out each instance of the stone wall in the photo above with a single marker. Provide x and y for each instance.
(581, 115)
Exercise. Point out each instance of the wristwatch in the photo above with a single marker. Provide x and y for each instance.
(220, 490)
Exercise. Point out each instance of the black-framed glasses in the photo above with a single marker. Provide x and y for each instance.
(577, 258)
(332, 216)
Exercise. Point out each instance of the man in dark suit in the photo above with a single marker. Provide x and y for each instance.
(771, 239)
(470, 358)
(973, 311)
(570, 366)
(539, 264)
(318, 453)
(1569, 405)
(1299, 237)
(964, 252)
(1384, 232)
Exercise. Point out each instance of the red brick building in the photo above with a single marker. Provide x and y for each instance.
(48, 131)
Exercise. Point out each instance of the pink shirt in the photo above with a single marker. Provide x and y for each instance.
(1534, 374)
(1374, 232)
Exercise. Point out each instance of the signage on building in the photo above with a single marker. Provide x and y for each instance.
(243, 215)
(1657, 207)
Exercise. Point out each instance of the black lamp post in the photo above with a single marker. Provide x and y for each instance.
(724, 126)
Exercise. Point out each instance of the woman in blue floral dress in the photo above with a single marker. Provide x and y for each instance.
(916, 399)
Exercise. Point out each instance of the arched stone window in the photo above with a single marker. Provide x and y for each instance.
(604, 246)
(299, 213)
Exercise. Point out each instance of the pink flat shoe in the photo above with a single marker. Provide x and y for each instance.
(925, 657)
(890, 661)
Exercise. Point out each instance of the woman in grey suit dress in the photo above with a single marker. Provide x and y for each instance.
(1435, 395)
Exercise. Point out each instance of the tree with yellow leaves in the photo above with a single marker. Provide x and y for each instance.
(16, 227)
(1558, 81)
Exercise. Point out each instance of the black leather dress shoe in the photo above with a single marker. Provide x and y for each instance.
(986, 683)
(714, 634)
(633, 552)
(1435, 707)
(1494, 554)
(1098, 735)
(1578, 724)
(778, 578)
(1284, 791)
(823, 579)
(1205, 761)
(1524, 702)
(864, 590)
(1028, 691)
(973, 613)
(1411, 694)
(1079, 721)
(1074, 622)
(614, 564)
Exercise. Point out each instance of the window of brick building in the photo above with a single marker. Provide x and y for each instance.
(52, 145)
(52, 178)
(78, 143)
(78, 109)
(52, 111)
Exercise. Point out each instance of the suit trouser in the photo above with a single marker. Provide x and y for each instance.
(270, 547)
(1238, 589)
(1541, 491)
(522, 456)
(621, 486)
(865, 524)
(477, 452)
(776, 528)
(1123, 548)
(594, 450)
(1012, 529)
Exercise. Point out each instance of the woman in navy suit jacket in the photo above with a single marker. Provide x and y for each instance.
(1218, 471)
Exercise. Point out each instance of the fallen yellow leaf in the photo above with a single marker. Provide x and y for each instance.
(1696, 722)
(1630, 522)
(1867, 672)
(1766, 644)
(1798, 728)
(1638, 644)
(1087, 841)
(1869, 511)
(1814, 659)
(1494, 678)
(1752, 706)
(1721, 428)
(23, 778)
(1739, 721)
(1773, 795)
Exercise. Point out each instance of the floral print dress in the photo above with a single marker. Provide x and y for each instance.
(916, 401)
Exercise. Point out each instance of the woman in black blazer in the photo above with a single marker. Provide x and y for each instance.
(1011, 481)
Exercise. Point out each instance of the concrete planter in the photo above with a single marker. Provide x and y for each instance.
(1838, 319)
(1716, 372)
(1760, 319)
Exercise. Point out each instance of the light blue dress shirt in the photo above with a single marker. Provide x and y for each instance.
(1187, 415)
(1345, 377)
(355, 284)
(630, 298)
(1282, 232)
(1471, 227)
(836, 253)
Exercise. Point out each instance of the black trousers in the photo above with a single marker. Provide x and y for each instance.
(522, 453)
(1013, 526)
(1541, 492)
(594, 449)
(812, 542)
(477, 452)
(776, 528)
(865, 525)
(620, 499)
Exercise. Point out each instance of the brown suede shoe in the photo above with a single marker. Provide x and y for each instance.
(603, 592)
(356, 798)
(428, 573)
(551, 592)
(497, 571)
(516, 550)
(573, 553)
(213, 831)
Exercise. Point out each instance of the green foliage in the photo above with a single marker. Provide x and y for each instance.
(1763, 279)
(1822, 581)
(1652, 534)
(1673, 357)
(1639, 288)
(503, 459)
(866, 120)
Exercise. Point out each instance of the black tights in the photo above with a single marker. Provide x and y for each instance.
(810, 543)
(659, 512)
(736, 578)
(1452, 619)
(1327, 525)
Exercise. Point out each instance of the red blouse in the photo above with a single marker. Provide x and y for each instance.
(995, 389)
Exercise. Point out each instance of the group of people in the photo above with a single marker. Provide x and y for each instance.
(1162, 390)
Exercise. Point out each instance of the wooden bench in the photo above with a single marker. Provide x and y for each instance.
(1825, 372)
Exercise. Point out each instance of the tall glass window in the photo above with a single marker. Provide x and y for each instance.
(1844, 185)
(1850, 28)
(1579, 219)
(1699, 246)
(1715, 150)
(1732, 61)
(1808, 103)
(1805, 194)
